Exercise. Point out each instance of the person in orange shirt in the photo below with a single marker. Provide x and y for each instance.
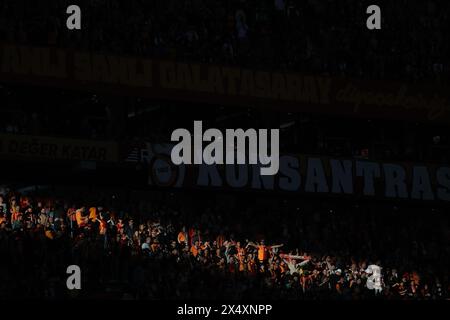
(204, 246)
(182, 237)
(81, 220)
(263, 250)
(194, 249)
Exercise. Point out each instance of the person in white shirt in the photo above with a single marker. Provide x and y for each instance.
(291, 261)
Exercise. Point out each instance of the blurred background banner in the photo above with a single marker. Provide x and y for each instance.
(222, 84)
(14, 146)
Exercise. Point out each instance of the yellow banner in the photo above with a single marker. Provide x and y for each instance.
(219, 84)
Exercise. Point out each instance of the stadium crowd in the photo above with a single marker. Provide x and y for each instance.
(280, 250)
(308, 36)
(175, 254)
